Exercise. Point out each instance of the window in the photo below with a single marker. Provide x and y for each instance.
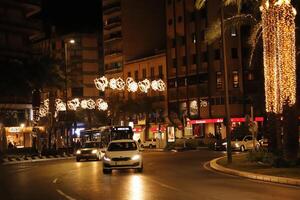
(136, 75)
(152, 72)
(194, 58)
(77, 92)
(170, 21)
(179, 19)
(180, 40)
(235, 75)
(202, 35)
(219, 80)
(217, 54)
(174, 63)
(204, 56)
(234, 53)
(250, 76)
(160, 71)
(194, 38)
(129, 74)
(233, 31)
(144, 73)
(192, 16)
(183, 61)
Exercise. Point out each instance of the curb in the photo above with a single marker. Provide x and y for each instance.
(30, 160)
(261, 177)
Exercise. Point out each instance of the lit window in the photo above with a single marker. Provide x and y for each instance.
(219, 80)
(235, 75)
(233, 31)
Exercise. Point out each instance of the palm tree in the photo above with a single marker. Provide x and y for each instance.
(251, 16)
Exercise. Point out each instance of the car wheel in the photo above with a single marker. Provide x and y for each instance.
(106, 171)
(242, 148)
(140, 170)
(77, 159)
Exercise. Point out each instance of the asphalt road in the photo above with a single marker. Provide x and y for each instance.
(166, 176)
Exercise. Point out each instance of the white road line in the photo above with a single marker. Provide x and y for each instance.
(65, 195)
(55, 180)
(163, 185)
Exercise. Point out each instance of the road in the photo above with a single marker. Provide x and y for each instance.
(166, 176)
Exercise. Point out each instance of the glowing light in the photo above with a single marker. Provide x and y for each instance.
(132, 86)
(113, 83)
(278, 21)
(158, 85)
(120, 84)
(101, 83)
(74, 104)
(101, 104)
(144, 85)
(60, 105)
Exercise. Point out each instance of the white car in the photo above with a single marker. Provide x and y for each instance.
(122, 154)
(243, 144)
(149, 144)
(90, 150)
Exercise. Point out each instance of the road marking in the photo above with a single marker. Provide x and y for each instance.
(65, 195)
(163, 185)
(55, 180)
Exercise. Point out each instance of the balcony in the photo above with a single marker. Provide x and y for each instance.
(112, 23)
(110, 8)
(113, 52)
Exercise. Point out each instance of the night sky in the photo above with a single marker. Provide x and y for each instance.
(72, 16)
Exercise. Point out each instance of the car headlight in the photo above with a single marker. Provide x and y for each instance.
(78, 152)
(106, 158)
(237, 145)
(94, 151)
(224, 143)
(136, 157)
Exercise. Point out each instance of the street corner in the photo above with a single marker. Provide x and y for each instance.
(255, 176)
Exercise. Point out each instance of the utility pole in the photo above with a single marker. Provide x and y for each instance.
(227, 110)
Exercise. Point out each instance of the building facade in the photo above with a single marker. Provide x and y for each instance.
(196, 73)
(18, 30)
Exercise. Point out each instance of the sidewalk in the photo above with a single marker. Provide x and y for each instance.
(261, 177)
(31, 159)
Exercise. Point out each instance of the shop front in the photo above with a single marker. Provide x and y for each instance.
(23, 137)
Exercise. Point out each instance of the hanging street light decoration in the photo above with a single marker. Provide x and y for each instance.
(144, 85)
(101, 104)
(132, 86)
(278, 22)
(60, 105)
(101, 83)
(74, 104)
(158, 85)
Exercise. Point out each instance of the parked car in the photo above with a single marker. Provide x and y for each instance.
(149, 144)
(122, 154)
(90, 150)
(219, 145)
(243, 144)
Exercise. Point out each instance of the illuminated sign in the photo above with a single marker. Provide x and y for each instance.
(220, 120)
(14, 129)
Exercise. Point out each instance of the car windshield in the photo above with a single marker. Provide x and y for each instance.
(122, 146)
(91, 145)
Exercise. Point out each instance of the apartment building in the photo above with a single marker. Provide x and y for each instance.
(196, 73)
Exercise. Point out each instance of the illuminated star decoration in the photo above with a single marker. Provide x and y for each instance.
(101, 104)
(158, 85)
(278, 22)
(74, 104)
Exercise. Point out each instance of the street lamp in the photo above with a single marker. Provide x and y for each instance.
(71, 41)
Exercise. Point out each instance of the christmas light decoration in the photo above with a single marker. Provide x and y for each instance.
(73, 104)
(101, 104)
(101, 83)
(60, 105)
(144, 85)
(278, 22)
(132, 86)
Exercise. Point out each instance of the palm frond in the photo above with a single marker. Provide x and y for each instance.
(199, 4)
(255, 34)
(213, 32)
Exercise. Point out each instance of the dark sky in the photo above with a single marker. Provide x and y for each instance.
(69, 16)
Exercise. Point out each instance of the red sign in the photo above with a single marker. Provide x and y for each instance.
(220, 120)
(137, 130)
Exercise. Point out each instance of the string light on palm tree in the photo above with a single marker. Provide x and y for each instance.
(278, 22)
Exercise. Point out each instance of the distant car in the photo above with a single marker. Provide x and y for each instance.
(243, 144)
(149, 144)
(264, 142)
(219, 145)
(90, 150)
(122, 154)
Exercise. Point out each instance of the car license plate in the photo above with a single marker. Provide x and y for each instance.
(120, 163)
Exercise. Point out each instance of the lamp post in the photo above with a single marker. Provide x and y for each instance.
(71, 41)
(227, 110)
